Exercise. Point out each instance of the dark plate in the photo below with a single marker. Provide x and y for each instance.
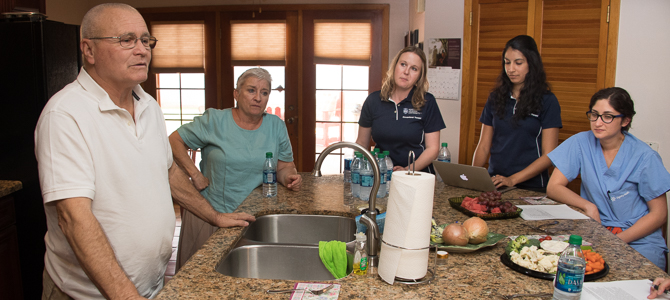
(547, 276)
(455, 202)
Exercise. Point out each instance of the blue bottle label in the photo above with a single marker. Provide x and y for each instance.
(389, 173)
(382, 179)
(569, 282)
(367, 180)
(355, 178)
(269, 177)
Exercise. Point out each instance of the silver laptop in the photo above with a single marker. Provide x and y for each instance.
(467, 177)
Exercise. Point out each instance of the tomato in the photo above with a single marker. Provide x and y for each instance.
(545, 238)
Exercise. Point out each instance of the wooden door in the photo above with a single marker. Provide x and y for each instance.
(577, 41)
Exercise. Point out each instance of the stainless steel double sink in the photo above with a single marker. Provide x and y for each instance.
(286, 246)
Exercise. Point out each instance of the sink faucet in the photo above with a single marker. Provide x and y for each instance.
(370, 217)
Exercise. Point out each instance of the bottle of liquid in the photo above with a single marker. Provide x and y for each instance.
(347, 169)
(360, 256)
(355, 175)
(443, 155)
(389, 167)
(269, 176)
(381, 162)
(570, 274)
(367, 179)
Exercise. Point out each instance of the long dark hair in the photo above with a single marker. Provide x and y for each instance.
(534, 86)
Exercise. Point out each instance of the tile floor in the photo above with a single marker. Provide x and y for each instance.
(175, 243)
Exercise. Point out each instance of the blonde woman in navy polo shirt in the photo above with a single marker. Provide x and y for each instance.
(403, 116)
(520, 121)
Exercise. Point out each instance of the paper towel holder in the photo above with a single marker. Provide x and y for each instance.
(424, 279)
(410, 159)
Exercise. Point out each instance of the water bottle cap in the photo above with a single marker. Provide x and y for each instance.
(375, 150)
(575, 240)
(268, 155)
(358, 154)
(445, 144)
(380, 155)
(386, 153)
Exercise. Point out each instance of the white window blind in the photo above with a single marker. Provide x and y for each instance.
(254, 41)
(345, 42)
(180, 47)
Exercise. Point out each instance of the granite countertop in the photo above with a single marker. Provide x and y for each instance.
(475, 275)
(8, 186)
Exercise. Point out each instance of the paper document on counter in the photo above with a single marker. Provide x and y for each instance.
(332, 294)
(550, 212)
(618, 290)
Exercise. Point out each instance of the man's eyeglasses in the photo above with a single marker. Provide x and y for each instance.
(129, 41)
(607, 118)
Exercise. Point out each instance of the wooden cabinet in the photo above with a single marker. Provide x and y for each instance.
(10, 268)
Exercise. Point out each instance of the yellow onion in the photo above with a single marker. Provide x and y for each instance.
(455, 234)
(477, 230)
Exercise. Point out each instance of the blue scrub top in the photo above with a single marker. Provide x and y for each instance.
(401, 128)
(516, 145)
(232, 157)
(621, 191)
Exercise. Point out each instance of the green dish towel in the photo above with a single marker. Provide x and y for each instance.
(334, 256)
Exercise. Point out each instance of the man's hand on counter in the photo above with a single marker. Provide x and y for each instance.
(233, 219)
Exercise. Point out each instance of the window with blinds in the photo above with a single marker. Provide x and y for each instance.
(342, 42)
(180, 47)
(342, 53)
(255, 43)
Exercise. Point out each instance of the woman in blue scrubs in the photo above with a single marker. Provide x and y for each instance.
(520, 121)
(623, 180)
(403, 116)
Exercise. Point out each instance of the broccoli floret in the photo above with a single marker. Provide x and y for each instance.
(522, 239)
(533, 242)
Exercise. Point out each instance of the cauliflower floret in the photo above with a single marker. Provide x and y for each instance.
(549, 263)
(534, 259)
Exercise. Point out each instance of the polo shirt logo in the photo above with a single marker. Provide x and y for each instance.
(410, 111)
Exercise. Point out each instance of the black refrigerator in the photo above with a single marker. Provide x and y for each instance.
(38, 58)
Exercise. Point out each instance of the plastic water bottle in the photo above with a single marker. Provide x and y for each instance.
(355, 175)
(389, 170)
(367, 179)
(269, 176)
(444, 154)
(381, 162)
(347, 169)
(570, 274)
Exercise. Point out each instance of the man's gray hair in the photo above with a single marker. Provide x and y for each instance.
(90, 26)
(259, 73)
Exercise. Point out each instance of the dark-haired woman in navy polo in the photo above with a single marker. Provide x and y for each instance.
(520, 121)
(403, 116)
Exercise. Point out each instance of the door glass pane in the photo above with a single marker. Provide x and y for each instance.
(353, 103)
(193, 80)
(329, 77)
(331, 164)
(328, 105)
(326, 134)
(277, 96)
(355, 77)
(192, 104)
(340, 93)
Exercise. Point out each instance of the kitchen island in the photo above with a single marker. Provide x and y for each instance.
(476, 275)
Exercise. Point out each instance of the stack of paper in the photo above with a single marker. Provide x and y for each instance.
(618, 290)
(550, 212)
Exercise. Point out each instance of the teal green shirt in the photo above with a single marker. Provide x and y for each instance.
(232, 157)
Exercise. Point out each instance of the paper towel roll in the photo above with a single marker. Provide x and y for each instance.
(408, 221)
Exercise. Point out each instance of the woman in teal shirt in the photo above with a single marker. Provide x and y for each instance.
(233, 142)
